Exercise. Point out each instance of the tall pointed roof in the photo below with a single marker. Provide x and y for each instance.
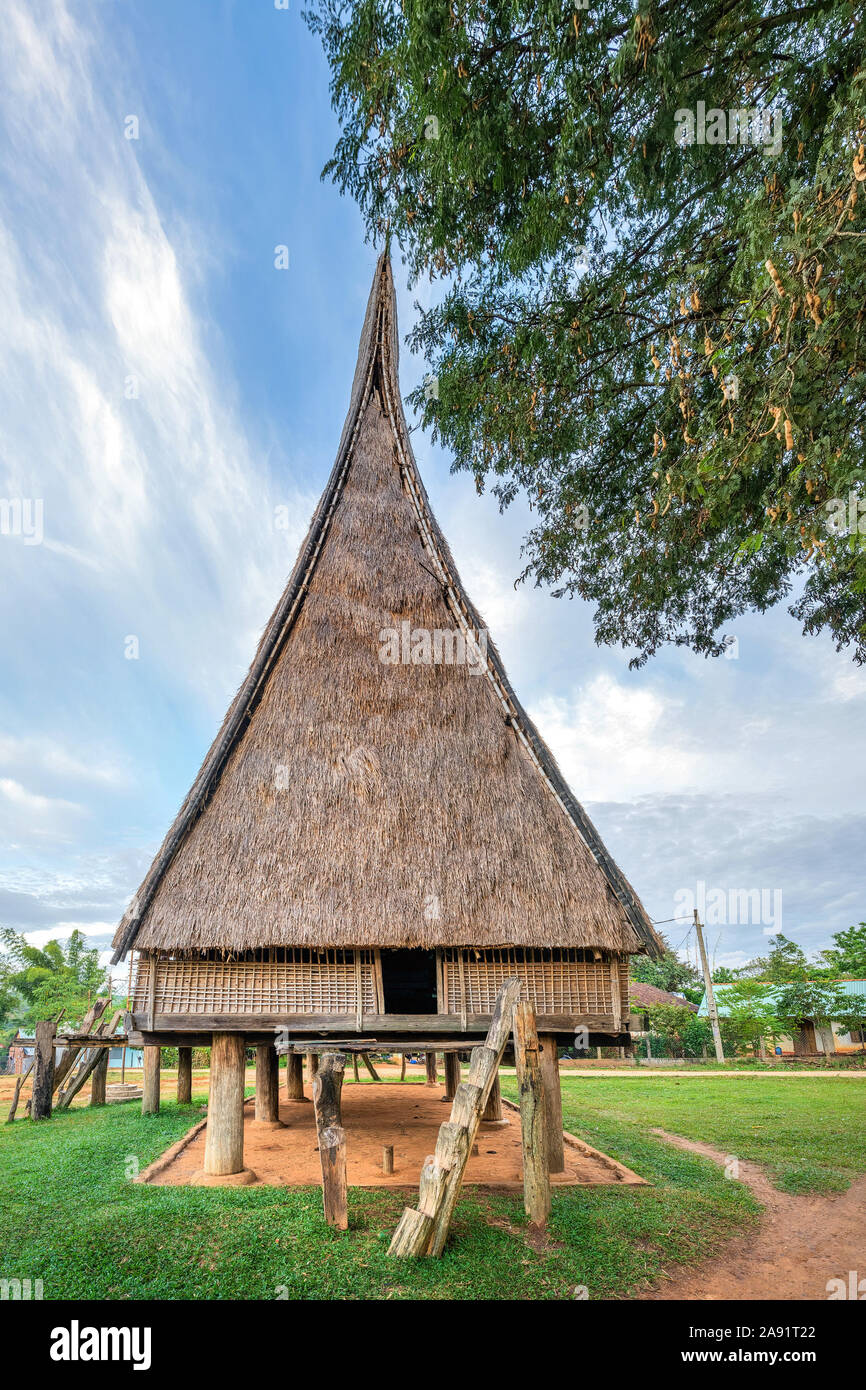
(348, 801)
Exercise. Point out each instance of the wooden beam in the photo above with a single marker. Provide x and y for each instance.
(421, 1026)
(327, 1092)
(184, 1076)
(549, 1062)
(432, 1076)
(224, 1141)
(533, 1121)
(267, 1085)
(43, 1072)
(150, 1091)
(452, 1074)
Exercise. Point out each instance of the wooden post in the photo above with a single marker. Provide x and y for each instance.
(425, 1229)
(536, 1177)
(295, 1077)
(184, 1076)
(43, 1074)
(493, 1108)
(549, 1061)
(355, 1072)
(224, 1142)
(312, 1065)
(432, 1078)
(150, 1091)
(365, 1058)
(452, 1075)
(388, 1158)
(267, 1085)
(402, 1066)
(327, 1092)
(99, 1079)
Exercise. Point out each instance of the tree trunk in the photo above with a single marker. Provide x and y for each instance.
(224, 1144)
(150, 1093)
(184, 1076)
(43, 1074)
(549, 1061)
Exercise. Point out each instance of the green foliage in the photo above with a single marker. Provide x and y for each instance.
(750, 1014)
(660, 344)
(785, 961)
(59, 977)
(685, 1033)
(668, 972)
(847, 956)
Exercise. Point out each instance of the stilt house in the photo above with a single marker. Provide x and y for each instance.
(378, 836)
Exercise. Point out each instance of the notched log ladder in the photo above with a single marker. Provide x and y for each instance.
(424, 1230)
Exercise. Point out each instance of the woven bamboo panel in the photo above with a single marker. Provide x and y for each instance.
(556, 981)
(293, 981)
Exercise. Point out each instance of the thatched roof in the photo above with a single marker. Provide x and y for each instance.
(346, 801)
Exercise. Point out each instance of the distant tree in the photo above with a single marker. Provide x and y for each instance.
(785, 961)
(668, 972)
(821, 1001)
(55, 977)
(682, 1029)
(847, 956)
(653, 330)
(750, 1014)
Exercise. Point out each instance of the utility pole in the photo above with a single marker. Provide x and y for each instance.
(708, 985)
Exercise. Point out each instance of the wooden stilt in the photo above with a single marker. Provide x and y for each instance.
(327, 1092)
(99, 1079)
(355, 1071)
(150, 1090)
(43, 1074)
(365, 1058)
(295, 1077)
(549, 1062)
(432, 1077)
(452, 1074)
(184, 1076)
(224, 1142)
(312, 1065)
(267, 1085)
(402, 1066)
(493, 1108)
(533, 1121)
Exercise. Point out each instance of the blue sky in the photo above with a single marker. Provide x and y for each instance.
(163, 388)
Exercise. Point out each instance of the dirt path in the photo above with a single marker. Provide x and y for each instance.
(802, 1242)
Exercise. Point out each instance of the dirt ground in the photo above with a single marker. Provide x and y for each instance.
(406, 1116)
(802, 1243)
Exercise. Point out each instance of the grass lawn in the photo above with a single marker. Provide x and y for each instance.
(808, 1134)
(69, 1216)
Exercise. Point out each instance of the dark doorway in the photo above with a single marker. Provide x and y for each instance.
(409, 982)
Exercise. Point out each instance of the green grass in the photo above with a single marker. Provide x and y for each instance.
(809, 1135)
(69, 1216)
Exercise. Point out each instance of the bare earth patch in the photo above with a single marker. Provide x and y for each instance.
(406, 1116)
(801, 1244)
